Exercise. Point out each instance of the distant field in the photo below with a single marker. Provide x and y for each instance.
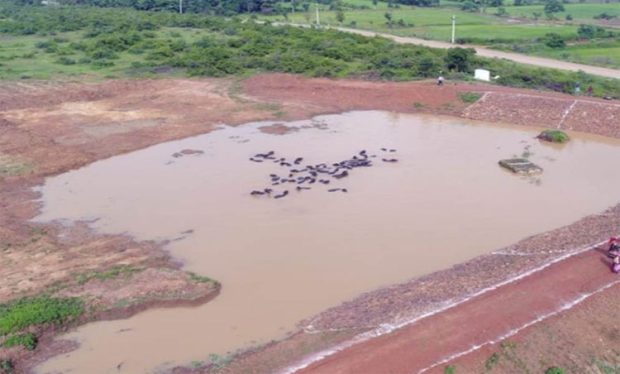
(435, 23)
(591, 55)
(518, 32)
(580, 12)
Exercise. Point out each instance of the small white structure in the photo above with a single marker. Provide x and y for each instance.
(482, 74)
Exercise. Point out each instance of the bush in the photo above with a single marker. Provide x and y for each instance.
(553, 40)
(459, 59)
(20, 314)
(65, 61)
(6, 366)
(554, 370)
(28, 341)
(554, 136)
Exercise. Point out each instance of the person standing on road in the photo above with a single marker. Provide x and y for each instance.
(589, 91)
(615, 267)
(440, 80)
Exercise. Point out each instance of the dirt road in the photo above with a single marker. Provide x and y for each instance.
(490, 53)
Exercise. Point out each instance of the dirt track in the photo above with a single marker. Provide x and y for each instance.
(47, 129)
(491, 53)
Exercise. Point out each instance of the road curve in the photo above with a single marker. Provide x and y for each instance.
(486, 52)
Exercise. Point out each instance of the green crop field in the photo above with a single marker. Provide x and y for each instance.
(583, 12)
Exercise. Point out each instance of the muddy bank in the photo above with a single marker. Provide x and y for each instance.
(49, 128)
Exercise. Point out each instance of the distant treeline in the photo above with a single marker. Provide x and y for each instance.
(218, 7)
(214, 7)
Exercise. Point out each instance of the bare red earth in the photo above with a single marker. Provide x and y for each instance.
(482, 320)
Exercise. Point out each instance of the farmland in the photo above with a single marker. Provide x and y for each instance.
(522, 29)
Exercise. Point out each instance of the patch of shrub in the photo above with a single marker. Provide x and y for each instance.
(20, 314)
(554, 136)
(554, 370)
(64, 60)
(553, 40)
(469, 97)
(28, 341)
(491, 361)
(6, 366)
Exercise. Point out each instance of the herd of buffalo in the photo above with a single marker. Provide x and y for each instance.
(300, 177)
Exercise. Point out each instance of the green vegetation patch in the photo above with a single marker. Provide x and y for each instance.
(112, 273)
(450, 369)
(201, 278)
(554, 136)
(6, 366)
(12, 166)
(27, 340)
(491, 361)
(469, 97)
(555, 370)
(20, 314)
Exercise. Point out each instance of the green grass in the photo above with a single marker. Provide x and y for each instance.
(17, 315)
(12, 166)
(200, 278)
(580, 12)
(469, 97)
(27, 340)
(114, 272)
(21, 59)
(435, 23)
(600, 54)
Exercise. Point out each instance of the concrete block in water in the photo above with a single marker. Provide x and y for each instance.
(520, 166)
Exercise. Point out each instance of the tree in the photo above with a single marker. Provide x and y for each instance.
(470, 6)
(388, 17)
(553, 6)
(340, 16)
(459, 59)
(554, 40)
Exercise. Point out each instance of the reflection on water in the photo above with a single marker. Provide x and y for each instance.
(281, 261)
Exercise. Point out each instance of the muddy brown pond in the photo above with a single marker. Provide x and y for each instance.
(283, 260)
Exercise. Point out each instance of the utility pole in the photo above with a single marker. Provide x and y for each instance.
(453, 27)
(318, 21)
(181, 6)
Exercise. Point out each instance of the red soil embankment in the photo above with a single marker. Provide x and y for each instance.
(486, 319)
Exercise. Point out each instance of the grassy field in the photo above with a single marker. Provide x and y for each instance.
(582, 13)
(435, 23)
(22, 57)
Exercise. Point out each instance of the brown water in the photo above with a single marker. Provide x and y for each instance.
(281, 261)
